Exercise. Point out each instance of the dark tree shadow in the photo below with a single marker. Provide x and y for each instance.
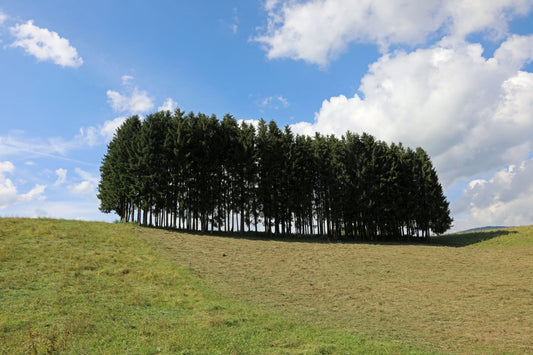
(456, 240)
(465, 239)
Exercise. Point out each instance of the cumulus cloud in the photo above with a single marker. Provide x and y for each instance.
(470, 16)
(515, 51)
(503, 199)
(317, 31)
(470, 113)
(45, 45)
(168, 105)
(135, 102)
(8, 191)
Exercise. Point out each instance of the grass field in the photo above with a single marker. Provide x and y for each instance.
(95, 288)
(463, 293)
(75, 287)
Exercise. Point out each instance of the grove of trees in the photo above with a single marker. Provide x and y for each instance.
(195, 172)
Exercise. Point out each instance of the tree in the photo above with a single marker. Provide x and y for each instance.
(194, 172)
(118, 188)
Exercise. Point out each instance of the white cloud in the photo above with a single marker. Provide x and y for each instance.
(515, 51)
(8, 191)
(16, 144)
(6, 167)
(469, 16)
(126, 79)
(136, 102)
(87, 185)
(61, 176)
(84, 187)
(317, 31)
(168, 105)
(254, 123)
(94, 135)
(45, 45)
(86, 175)
(471, 114)
(90, 136)
(274, 102)
(235, 25)
(271, 4)
(504, 199)
(109, 127)
(3, 17)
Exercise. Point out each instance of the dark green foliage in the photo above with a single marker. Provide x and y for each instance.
(194, 172)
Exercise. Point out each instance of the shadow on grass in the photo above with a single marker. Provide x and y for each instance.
(456, 240)
(466, 239)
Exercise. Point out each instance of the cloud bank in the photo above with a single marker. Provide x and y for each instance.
(318, 31)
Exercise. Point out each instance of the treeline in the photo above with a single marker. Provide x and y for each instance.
(194, 172)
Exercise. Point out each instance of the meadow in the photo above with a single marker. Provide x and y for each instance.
(461, 293)
(78, 287)
(69, 287)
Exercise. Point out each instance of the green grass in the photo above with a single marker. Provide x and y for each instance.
(462, 293)
(96, 288)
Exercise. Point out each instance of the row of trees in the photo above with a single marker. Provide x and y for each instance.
(194, 172)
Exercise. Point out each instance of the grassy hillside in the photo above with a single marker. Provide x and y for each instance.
(95, 288)
(462, 293)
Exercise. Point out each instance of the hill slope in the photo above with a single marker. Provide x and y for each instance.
(75, 287)
(462, 293)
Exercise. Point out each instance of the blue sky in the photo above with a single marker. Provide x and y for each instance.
(454, 77)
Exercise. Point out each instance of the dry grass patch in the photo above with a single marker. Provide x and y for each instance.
(477, 298)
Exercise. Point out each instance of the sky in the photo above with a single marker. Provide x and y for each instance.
(453, 77)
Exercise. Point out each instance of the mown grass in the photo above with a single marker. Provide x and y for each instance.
(461, 293)
(95, 288)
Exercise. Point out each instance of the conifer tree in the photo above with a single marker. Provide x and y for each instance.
(192, 171)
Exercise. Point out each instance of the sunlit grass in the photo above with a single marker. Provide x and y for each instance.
(462, 293)
(96, 288)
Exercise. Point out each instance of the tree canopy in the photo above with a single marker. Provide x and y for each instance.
(198, 173)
